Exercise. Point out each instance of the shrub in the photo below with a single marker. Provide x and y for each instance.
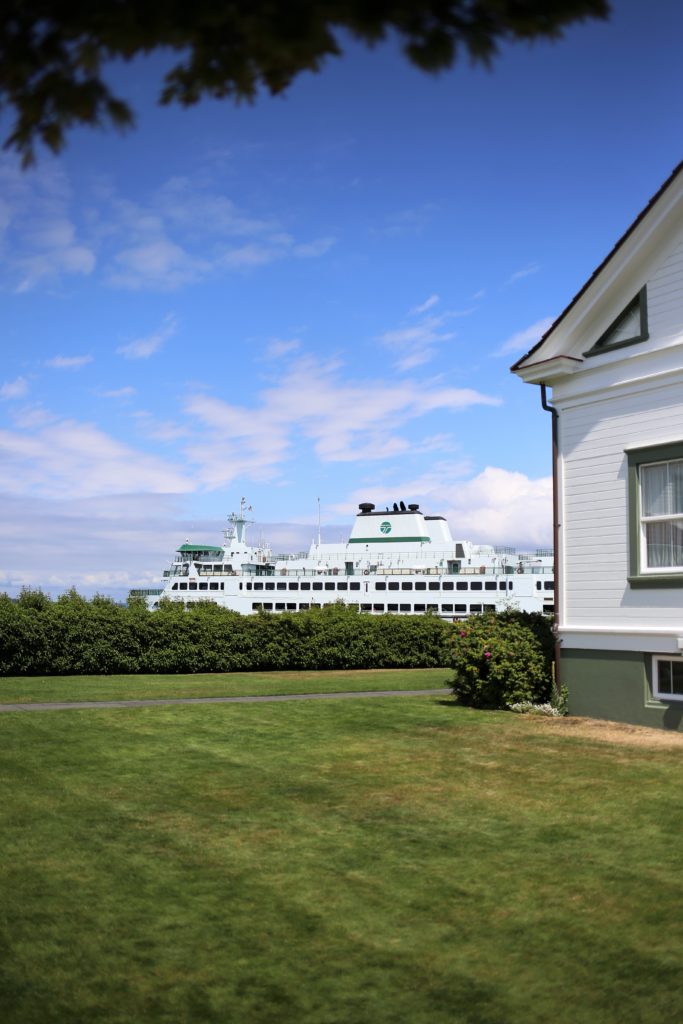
(502, 659)
(72, 636)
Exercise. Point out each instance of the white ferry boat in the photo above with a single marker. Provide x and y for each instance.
(397, 560)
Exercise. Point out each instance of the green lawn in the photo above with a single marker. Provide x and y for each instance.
(350, 862)
(30, 689)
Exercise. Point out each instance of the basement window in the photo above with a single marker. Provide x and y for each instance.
(667, 678)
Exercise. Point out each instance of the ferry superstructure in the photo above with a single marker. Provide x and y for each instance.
(396, 560)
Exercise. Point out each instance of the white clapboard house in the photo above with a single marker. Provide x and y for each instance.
(611, 375)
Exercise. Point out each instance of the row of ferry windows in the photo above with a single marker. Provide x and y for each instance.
(451, 609)
(394, 585)
(193, 585)
(343, 585)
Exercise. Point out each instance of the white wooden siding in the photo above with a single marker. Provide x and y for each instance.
(665, 301)
(595, 538)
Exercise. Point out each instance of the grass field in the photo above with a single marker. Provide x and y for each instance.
(345, 862)
(32, 689)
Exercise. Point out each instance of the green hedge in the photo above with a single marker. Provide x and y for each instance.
(73, 636)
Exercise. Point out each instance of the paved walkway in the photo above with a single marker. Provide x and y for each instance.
(88, 704)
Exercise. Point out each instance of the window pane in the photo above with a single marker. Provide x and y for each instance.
(676, 527)
(676, 485)
(664, 674)
(664, 542)
(677, 677)
(663, 489)
(655, 481)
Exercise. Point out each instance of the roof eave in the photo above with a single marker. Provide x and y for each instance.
(544, 371)
(518, 367)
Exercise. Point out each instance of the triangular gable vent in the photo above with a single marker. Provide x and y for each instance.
(629, 327)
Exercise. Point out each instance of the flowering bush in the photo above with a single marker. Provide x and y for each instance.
(527, 707)
(504, 659)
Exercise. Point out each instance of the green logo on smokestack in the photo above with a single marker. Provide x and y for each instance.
(385, 527)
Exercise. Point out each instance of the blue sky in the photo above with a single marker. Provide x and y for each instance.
(314, 296)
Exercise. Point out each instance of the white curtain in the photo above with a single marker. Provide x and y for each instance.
(662, 495)
(664, 544)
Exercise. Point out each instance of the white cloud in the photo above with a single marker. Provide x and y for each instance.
(199, 211)
(68, 362)
(158, 263)
(95, 544)
(426, 305)
(416, 344)
(531, 268)
(184, 232)
(68, 458)
(253, 254)
(279, 347)
(30, 417)
(343, 421)
(497, 506)
(187, 232)
(39, 239)
(521, 341)
(311, 250)
(13, 389)
(143, 348)
(125, 392)
(159, 430)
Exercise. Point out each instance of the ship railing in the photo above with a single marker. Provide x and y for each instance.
(435, 571)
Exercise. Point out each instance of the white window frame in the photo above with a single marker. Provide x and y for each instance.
(656, 661)
(640, 574)
(645, 520)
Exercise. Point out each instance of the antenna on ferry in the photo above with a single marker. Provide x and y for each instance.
(318, 522)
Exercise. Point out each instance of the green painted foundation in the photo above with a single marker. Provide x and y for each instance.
(616, 685)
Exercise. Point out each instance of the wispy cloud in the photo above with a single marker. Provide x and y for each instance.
(155, 263)
(159, 430)
(312, 401)
(183, 232)
(523, 340)
(188, 231)
(31, 417)
(279, 347)
(427, 304)
(120, 393)
(13, 389)
(143, 348)
(68, 362)
(531, 268)
(407, 222)
(414, 344)
(311, 250)
(70, 459)
(40, 242)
